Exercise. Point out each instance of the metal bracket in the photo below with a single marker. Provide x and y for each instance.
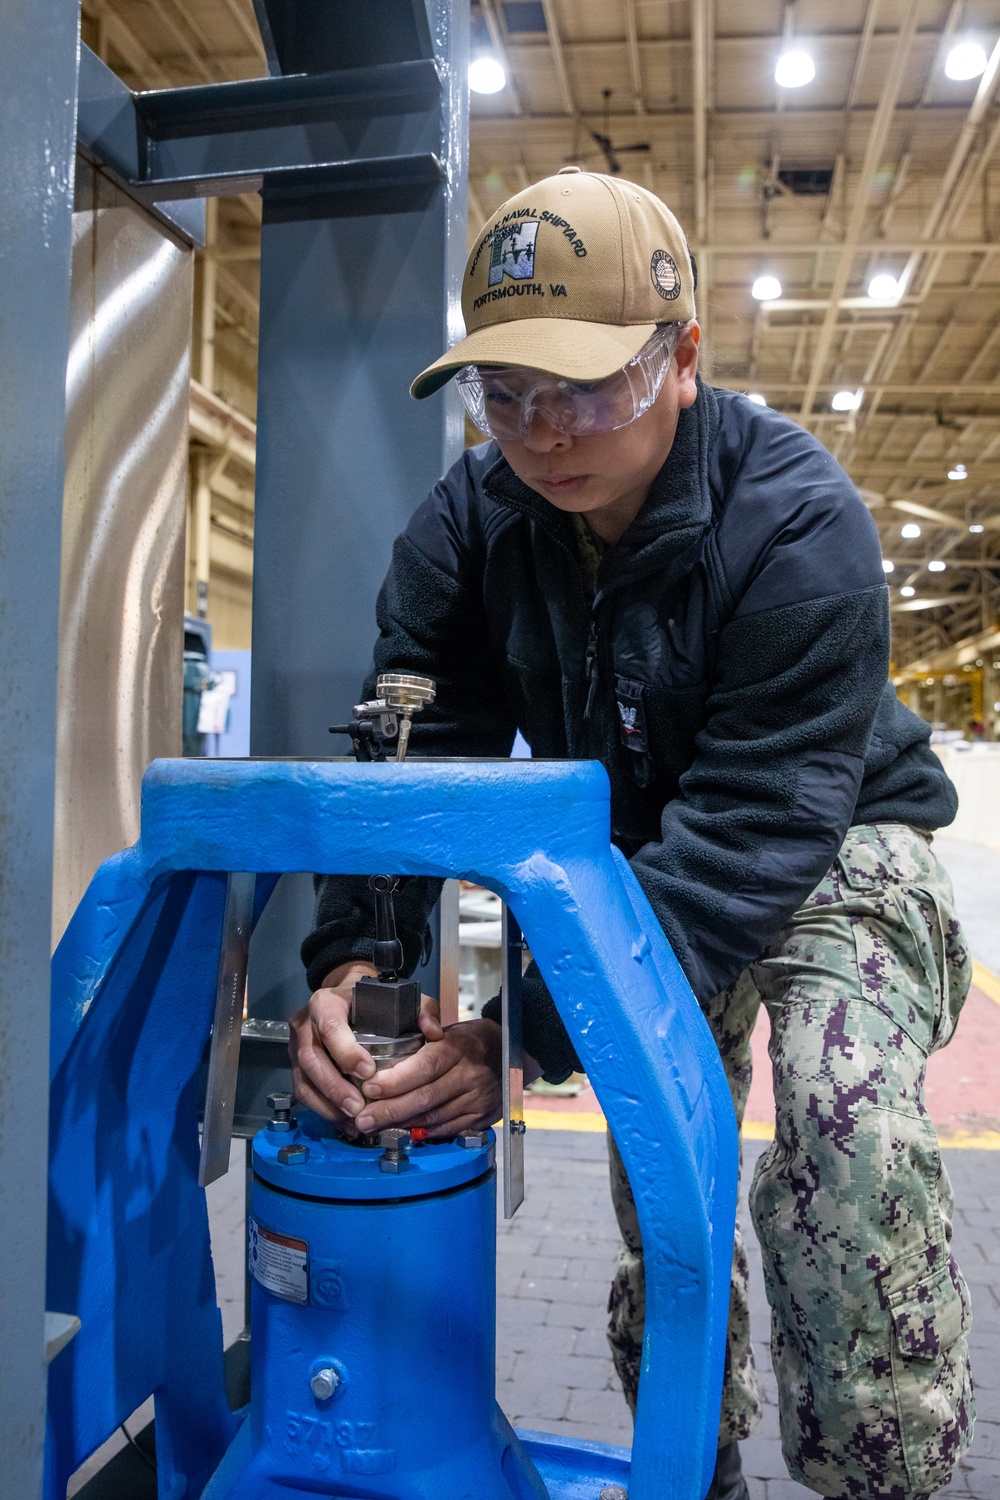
(281, 134)
(448, 953)
(224, 1056)
(512, 1066)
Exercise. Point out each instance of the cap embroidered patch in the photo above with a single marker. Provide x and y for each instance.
(513, 253)
(664, 275)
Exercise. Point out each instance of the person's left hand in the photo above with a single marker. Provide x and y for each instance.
(451, 1084)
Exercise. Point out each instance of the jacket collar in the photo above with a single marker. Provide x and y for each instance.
(676, 512)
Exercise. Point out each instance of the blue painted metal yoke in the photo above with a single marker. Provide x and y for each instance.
(133, 990)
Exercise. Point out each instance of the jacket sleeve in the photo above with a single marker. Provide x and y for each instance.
(431, 621)
(766, 804)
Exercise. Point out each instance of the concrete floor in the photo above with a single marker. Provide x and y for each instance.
(555, 1261)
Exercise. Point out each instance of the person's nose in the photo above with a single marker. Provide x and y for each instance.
(541, 437)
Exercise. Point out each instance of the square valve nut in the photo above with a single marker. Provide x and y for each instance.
(385, 1007)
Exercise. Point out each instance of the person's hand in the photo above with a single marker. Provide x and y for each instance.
(325, 1051)
(451, 1084)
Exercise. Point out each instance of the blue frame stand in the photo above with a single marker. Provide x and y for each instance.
(133, 994)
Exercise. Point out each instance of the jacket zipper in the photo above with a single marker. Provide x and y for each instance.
(590, 668)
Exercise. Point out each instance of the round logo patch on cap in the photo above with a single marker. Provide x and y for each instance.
(664, 275)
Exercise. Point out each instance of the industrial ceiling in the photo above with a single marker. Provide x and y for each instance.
(881, 165)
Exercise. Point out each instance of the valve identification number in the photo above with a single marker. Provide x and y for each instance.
(278, 1262)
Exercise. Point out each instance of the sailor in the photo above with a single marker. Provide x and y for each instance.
(639, 568)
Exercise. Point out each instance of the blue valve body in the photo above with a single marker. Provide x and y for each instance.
(389, 1281)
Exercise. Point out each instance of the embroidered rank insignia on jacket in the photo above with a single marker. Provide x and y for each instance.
(631, 715)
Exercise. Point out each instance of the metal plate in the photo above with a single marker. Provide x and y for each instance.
(122, 590)
(448, 954)
(512, 1067)
(224, 1056)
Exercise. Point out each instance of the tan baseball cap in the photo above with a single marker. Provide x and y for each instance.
(570, 276)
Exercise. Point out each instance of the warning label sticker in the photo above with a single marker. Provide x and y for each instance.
(279, 1263)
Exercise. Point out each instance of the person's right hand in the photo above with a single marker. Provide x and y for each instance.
(324, 1049)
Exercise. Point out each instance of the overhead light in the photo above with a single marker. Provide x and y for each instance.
(958, 472)
(883, 288)
(887, 566)
(935, 567)
(759, 400)
(976, 529)
(966, 60)
(766, 289)
(486, 75)
(846, 400)
(907, 591)
(910, 530)
(795, 68)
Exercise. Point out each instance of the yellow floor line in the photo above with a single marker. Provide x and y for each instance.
(753, 1130)
(556, 1119)
(986, 980)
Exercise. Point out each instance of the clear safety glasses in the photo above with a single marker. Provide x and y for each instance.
(503, 402)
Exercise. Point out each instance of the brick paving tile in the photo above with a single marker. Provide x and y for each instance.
(536, 1338)
(592, 1341)
(573, 1372)
(540, 1397)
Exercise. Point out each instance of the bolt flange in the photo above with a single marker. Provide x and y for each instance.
(324, 1383)
(613, 1492)
(473, 1140)
(396, 1143)
(281, 1107)
(293, 1154)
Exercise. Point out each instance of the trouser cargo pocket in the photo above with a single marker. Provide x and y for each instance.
(930, 1374)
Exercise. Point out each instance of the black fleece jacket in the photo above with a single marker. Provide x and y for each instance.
(731, 674)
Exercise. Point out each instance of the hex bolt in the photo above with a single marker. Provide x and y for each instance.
(324, 1383)
(395, 1143)
(281, 1107)
(473, 1140)
(293, 1155)
(614, 1492)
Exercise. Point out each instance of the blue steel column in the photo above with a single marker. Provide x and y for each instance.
(38, 47)
(350, 310)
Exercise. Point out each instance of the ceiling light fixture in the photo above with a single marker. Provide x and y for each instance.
(936, 567)
(958, 472)
(887, 566)
(846, 400)
(966, 60)
(883, 288)
(766, 289)
(907, 591)
(759, 400)
(910, 530)
(486, 75)
(976, 528)
(795, 68)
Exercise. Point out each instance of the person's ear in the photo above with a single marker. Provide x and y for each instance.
(686, 363)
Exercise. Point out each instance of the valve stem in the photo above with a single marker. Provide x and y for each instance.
(407, 694)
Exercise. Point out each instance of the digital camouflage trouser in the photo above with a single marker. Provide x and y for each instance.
(851, 1202)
